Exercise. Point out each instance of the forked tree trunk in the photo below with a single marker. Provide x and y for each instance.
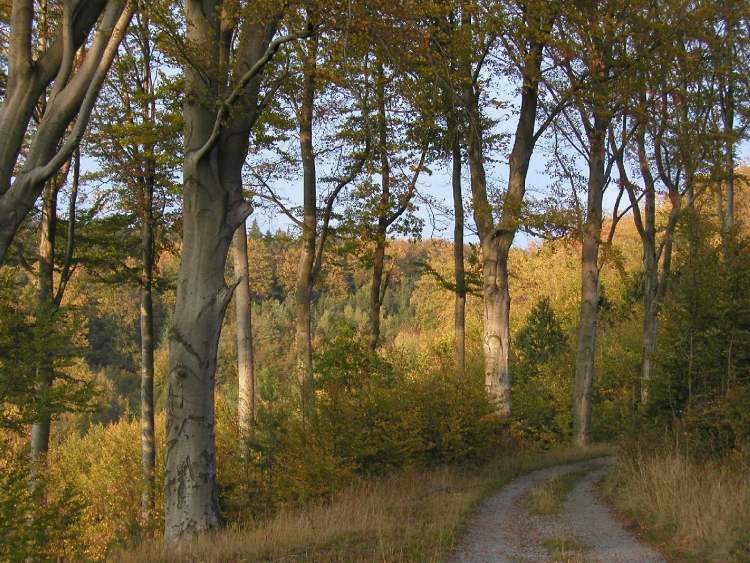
(216, 146)
(243, 310)
(497, 239)
(587, 326)
(495, 338)
(70, 103)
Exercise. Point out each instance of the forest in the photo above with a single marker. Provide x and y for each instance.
(310, 280)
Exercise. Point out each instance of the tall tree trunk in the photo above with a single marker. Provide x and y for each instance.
(497, 239)
(496, 336)
(40, 430)
(377, 289)
(458, 256)
(191, 495)
(148, 442)
(216, 146)
(305, 276)
(243, 310)
(587, 326)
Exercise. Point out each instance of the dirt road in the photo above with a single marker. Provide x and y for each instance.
(504, 529)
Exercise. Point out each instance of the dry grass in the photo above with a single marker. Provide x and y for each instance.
(548, 496)
(413, 515)
(565, 550)
(695, 512)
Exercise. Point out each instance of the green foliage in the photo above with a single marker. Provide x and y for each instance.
(32, 528)
(541, 339)
(28, 337)
(703, 373)
(542, 382)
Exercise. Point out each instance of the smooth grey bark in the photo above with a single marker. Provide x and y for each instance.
(243, 315)
(458, 254)
(588, 319)
(70, 102)
(496, 238)
(216, 145)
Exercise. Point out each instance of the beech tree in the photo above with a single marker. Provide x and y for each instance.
(672, 149)
(327, 92)
(48, 297)
(228, 47)
(75, 81)
(135, 139)
(523, 29)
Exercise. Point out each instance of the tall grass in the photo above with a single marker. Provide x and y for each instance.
(412, 515)
(696, 511)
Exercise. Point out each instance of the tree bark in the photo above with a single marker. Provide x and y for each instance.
(243, 310)
(458, 256)
(148, 441)
(71, 100)
(216, 146)
(497, 239)
(587, 326)
(305, 272)
(40, 430)
(377, 290)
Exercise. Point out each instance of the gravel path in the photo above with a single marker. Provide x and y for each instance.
(502, 529)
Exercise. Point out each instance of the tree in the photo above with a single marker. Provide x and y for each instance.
(672, 147)
(136, 138)
(531, 24)
(48, 298)
(389, 207)
(219, 68)
(596, 62)
(327, 90)
(75, 85)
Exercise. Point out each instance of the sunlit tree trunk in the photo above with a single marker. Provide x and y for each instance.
(216, 146)
(587, 325)
(243, 310)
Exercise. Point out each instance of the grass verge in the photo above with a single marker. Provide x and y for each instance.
(412, 515)
(566, 550)
(690, 511)
(548, 496)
